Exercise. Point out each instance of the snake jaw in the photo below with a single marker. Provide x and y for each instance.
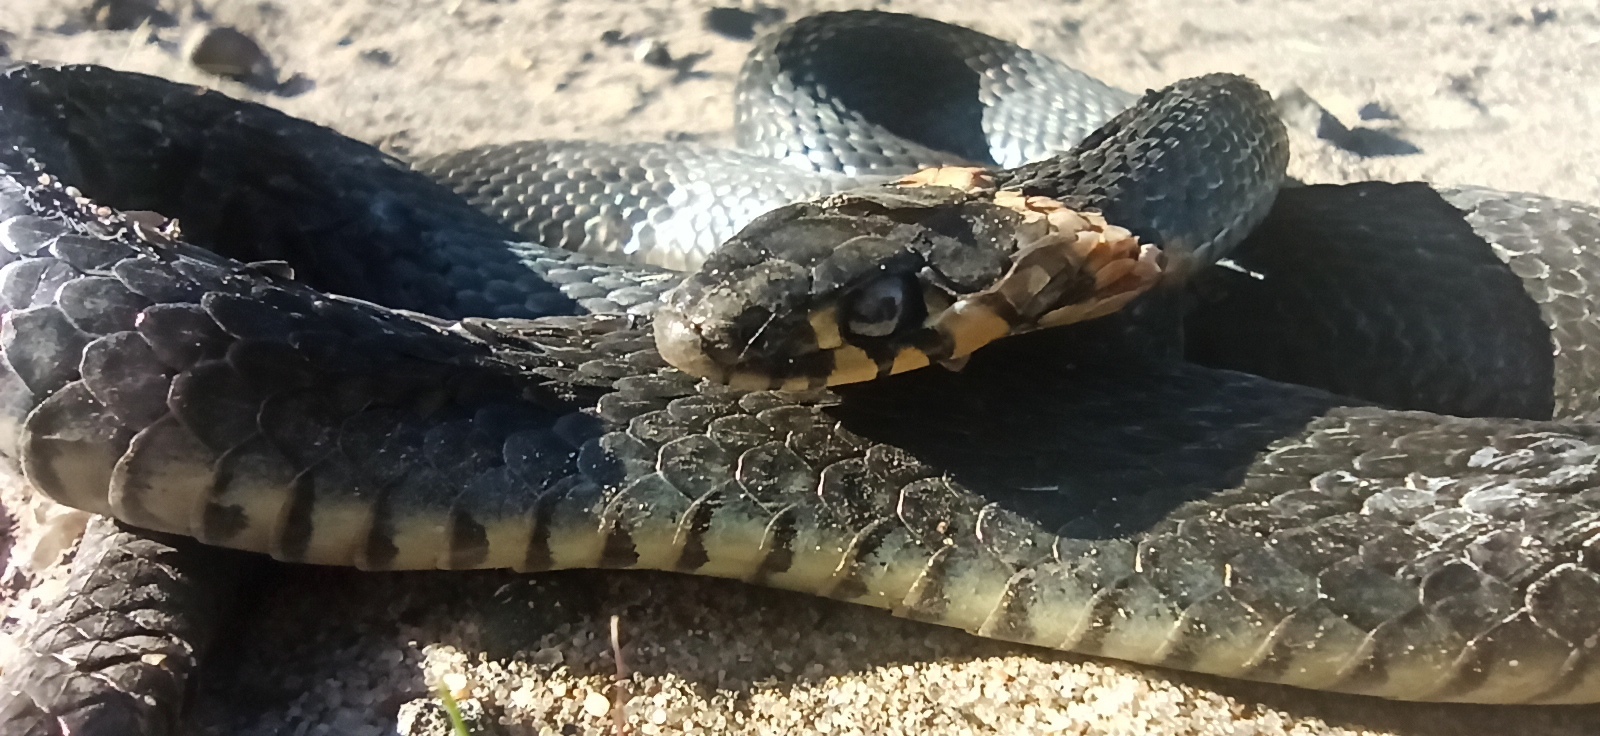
(686, 348)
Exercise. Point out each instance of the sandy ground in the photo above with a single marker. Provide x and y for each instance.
(1451, 91)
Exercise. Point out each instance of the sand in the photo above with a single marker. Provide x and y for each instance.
(1449, 91)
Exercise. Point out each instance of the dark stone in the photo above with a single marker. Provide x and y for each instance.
(229, 52)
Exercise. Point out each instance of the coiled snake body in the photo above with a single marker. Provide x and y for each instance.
(1072, 491)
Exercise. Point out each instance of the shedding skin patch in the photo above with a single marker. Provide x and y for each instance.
(1071, 242)
(965, 178)
(1064, 267)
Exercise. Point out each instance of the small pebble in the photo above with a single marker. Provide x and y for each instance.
(596, 705)
(457, 684)
(228, 52)
(740, 24)
(735, 23)
(380, 57)
(548, 656)
(1300, 110)
(652, 52)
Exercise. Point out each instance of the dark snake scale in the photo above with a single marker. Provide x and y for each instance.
(1283, 506)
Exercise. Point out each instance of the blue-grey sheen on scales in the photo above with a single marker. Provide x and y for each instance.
(1398, 499)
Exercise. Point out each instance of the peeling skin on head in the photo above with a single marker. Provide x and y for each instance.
(965, 178)
(905, 289)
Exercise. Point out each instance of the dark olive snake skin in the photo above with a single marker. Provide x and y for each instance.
(117, 656)
(1180, 514)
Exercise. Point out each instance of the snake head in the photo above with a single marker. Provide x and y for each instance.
(877, 281)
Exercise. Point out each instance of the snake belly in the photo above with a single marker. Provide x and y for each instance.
(1171, 514)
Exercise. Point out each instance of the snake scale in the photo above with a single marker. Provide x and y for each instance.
(1065, 489)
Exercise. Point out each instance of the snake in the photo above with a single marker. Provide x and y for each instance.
(1351, 451)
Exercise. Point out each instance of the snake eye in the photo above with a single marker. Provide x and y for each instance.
(881, 307)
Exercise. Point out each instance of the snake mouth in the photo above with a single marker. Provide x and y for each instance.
(688, 347)
(758, 321)
(826, 361)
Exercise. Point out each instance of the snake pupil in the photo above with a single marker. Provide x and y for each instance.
(880, 307)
